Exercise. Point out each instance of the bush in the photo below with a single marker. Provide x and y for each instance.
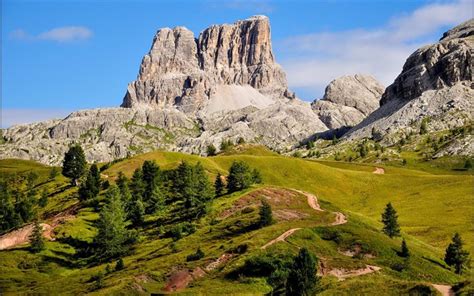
(196, 256)
(211, 150)
(181, 230)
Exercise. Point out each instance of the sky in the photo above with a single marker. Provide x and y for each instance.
(61, 56)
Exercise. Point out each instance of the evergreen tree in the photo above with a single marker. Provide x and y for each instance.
(266, 216)
(91, 187)
(219, 185)
(121, 181)
(240, 176)
(468, 164)
(136, 213)
(31, 179)
(43, 201)
(137, 186)
(112, 238)
(302, 279)
(404, 249)
(24, 205)
(226, 145)
(153, 196)
(74, 164)
(390, 221)
(241, 141)
(256, 177)
(191, 185)
(36, 238)
(211, 150)
(9, 218)
(455, 254)
(119, 265)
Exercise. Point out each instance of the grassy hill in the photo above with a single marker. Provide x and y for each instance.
(431, 207)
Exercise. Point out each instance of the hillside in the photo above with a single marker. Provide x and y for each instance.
(313, 204)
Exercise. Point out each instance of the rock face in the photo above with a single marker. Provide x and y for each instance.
(348, 100)
(187, 73)
(436, 82)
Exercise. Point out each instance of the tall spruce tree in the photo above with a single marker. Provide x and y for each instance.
(390, 221)
(455, 254)
(240, 176)
(137, 186)
(74, 163)
(266, 216)
(404, 252)
(36, 238)
(302, 279)
(91, 187)
(112, 238)
(219, 185)
(9, 218)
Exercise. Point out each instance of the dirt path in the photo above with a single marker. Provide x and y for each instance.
(280, 238)
(445, 290)
(312, 201)
(379, 171)
(340, 219)
(343, 274)
(22, 235)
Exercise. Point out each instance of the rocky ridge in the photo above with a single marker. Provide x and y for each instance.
(348, 100)
(436, 83)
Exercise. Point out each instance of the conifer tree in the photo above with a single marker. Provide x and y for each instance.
(455, 254)
(112, 238)
(136, 213)
(36, 238)
(211, 150)
(91, 187)
(240, 176)
(405, 252)
(9, 218)
(219, 185)
(74, 164)
(266, 216)
(43, 201)
(302, 279)
(390, 221)
(137, 186)
(119, 265)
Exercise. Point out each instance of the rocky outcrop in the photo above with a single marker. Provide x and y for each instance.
(348, 100)
(187, 73)
(436, 82)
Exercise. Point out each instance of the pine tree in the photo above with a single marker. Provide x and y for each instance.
(266, 216)
(36, 238)
(390, 221)
(136, 213)
(302, 279)
(219, 185)
(91, 187)
(137, 186)
(112, 237)
(43, 201)
(404, 249)
(211, 150)
(9, 218)
(119, 265)
(468, 164)
(74, 164)
(240, 176)
(24, 205)
(455, 254)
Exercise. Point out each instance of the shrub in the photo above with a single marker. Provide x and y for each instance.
(195, 256)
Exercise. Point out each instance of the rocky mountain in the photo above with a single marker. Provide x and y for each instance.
(436, 84)
(190, 92)
(209, 72)
(348, 100)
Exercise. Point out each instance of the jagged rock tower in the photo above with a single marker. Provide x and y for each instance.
(223, 63)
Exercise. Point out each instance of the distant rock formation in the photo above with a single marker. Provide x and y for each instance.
(191, 73)
(437, 82)
(348, 100)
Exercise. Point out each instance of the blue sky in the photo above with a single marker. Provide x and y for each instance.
(60, 56)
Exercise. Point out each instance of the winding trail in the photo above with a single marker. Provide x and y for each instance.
(22, 235)
(445, 290)
(280, 238)
(313, 203)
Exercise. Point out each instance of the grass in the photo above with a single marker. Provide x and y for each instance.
(421, 197)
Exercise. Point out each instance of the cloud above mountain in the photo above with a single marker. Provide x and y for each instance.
(313, 60)
(61, 34)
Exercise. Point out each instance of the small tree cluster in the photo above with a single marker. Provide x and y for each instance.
(241, 176)
(74, 164)
(455, 254)
(226, 145)
(302, 279)
(91, 187)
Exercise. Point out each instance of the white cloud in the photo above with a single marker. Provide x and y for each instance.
(12, 116)
(313, 60)
(62, 34)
